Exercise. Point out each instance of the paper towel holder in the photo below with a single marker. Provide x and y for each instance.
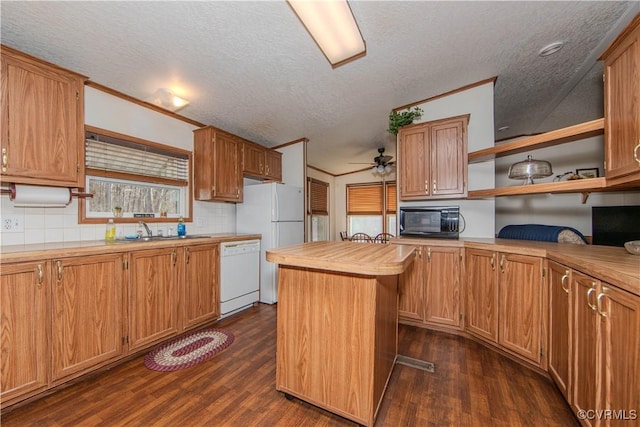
(11, 191)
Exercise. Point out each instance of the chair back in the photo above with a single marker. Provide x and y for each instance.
(344, 236)
(383, 238)
(361, 237)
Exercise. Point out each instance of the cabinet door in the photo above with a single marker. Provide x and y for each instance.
(448, 159)
(201, 285)
(413, 163)
(620, 363)
(586, 357)
(226, 169)
(442, 286)
(482, 294)
(411, 286)
(87, 312)
(153, 296)
(520, 305)
(622, 110)
(559, 327)
(23, 339)
(273, 169)
(253, 159)
(42, 120)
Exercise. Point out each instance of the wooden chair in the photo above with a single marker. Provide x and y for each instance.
(383, 238)
(344, 236)
(361, 237)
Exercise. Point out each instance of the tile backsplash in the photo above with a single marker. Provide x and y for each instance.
(46, 225)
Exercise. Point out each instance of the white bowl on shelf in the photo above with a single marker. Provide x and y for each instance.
(633, 247)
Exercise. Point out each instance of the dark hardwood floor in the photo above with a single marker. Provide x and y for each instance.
(472, 386)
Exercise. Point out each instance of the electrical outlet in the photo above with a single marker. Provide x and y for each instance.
(12, 224)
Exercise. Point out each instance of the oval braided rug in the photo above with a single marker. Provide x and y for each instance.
(188, 350)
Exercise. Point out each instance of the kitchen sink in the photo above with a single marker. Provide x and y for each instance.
(162, 238)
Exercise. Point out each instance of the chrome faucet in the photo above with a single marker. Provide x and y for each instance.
(146, 227)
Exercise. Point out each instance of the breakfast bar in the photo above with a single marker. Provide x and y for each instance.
(338, 323)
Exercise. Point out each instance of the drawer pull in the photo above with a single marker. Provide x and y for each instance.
(563, 280)
(589, 293)
(493, 262)
(5, 160)
(429, 254)
(188, 252)
(40, 276)
(502, 264)
(599, 303)
(60, 271)
(635, 152)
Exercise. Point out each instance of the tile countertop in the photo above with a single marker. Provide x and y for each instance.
(36, 252)
(611, 264)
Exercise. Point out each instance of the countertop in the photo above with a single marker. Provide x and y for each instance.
(346, 257)
(35, 252)
(607, 263)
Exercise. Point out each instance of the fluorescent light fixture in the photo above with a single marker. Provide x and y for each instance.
(333, 27)
(164, 98)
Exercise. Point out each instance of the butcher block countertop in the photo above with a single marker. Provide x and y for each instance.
(613, 265)
(40, 251)
(346, 257)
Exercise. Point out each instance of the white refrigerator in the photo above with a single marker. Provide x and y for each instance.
(276, 211)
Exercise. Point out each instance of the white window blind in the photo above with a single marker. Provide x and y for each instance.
(108, 154)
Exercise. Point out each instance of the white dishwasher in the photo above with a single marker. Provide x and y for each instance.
(239, 275)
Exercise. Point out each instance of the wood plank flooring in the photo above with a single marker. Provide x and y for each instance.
(472, 386)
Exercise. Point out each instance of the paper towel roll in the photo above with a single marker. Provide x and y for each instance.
(31, 196)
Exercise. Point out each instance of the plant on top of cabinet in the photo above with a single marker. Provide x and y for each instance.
(42, 122)
(404, 118)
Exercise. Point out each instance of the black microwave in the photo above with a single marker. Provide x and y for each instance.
(427, 221)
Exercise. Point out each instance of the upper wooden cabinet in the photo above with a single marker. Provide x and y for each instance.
(432, 159)
(218, 175)
(42, 122)
(622, 106)
(261, 162)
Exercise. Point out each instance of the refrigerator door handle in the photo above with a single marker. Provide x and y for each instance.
(275, 214)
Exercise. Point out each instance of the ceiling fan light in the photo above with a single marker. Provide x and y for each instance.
(388, 168)
(333, 27)
(380, 169)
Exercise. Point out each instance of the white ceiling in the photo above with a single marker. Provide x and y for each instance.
(252, 69)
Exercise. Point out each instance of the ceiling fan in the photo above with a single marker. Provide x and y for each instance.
(381, 164)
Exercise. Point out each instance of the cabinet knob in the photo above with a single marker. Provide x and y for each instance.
(502, 259)
(60, 271)
(429, 254)
(5, 160)
(40, 276)
(493, 262)
(434, 186)
(635, 153)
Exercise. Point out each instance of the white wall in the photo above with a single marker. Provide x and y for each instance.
(478, 102)
(557, 209)
(102, 110)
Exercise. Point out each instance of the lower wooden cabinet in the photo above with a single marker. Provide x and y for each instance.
(606, 352)
(153, 296)
(559, 355)
(86, 303)
(24, 290)
(201, 290)
(430, 287)
(504, 301)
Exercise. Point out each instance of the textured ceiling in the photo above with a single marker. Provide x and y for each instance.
(252, 69)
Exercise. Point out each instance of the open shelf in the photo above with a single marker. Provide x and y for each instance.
(575, 186)
(555, 137)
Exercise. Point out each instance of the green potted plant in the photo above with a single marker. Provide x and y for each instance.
(117, 211)
(404, 118)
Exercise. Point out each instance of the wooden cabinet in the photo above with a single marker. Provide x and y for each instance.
(42, 122)
(504, 301)
(153, 296)
(432, 159)
(24, 290)
(606, 351)
(622, 110)
(87, 312)
(559, 358)
(201, 287)
(482, 294)
(430, 287)
(218, 174)
(260, 162)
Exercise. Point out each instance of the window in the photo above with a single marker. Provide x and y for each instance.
(371, 208)
(318, 210)
(132, 178)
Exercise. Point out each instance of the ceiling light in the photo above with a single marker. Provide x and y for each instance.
(164, 98)
(551, 49)
(333, 27)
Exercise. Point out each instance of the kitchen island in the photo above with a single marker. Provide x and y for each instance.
(338, 323)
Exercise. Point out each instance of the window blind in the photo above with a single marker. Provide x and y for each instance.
(110, 154)
(391, 198)
(364, 199)
(318, 197)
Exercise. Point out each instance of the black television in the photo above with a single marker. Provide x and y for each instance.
(614, 225)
